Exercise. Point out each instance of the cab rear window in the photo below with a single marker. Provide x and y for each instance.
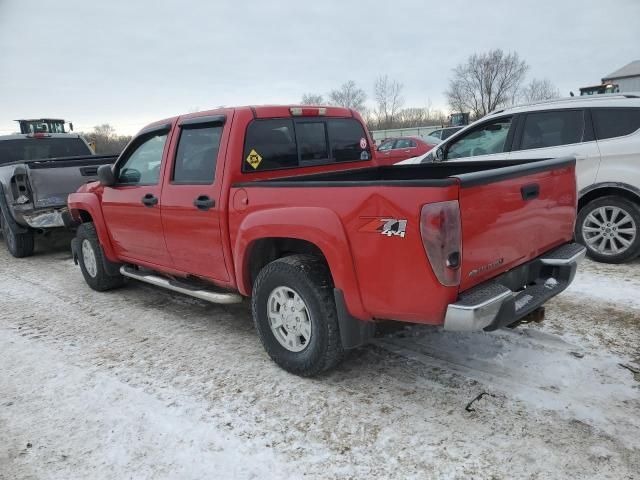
(273, 144)
(26, 148)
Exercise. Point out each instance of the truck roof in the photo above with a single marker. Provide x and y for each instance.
(19, 136)
(267, 111)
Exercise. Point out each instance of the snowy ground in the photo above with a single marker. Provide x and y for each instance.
(142, 383)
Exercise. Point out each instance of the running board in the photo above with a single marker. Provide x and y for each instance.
(202, 294)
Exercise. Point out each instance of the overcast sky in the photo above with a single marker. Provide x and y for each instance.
(131, 62)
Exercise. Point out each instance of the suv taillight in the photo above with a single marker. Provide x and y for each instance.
(441, 233)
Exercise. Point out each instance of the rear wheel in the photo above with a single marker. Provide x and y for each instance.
(610, 229)
(91, 260)
(20, 245)
(295, 315)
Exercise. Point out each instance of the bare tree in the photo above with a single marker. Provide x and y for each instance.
(485, 82)
(105, 140)
(538, 90)
(312, 99)
(389, 99)
(348, 95)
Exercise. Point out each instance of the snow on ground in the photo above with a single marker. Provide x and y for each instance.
(143, 383)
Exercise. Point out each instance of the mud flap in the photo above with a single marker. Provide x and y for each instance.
(353, 332)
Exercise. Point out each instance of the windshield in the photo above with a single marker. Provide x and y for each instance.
(41, 148)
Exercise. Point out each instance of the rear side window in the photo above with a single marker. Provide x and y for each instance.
(550, 129)
(197, 154)
(615, 122)
(448, 132)
(273, 144)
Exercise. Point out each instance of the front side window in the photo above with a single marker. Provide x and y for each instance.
(436, 133)
(142, 166)
(197, 154)
(485, 140)
(550, 129)
(615, 122)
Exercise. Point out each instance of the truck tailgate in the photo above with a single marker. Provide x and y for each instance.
(52, 180)
(513, 214)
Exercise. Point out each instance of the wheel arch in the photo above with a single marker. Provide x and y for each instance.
(85, 207)
(266, 235)
(605, 189)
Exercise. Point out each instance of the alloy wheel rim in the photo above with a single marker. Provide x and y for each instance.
(609, 230)
(289, 319)
(89, 259)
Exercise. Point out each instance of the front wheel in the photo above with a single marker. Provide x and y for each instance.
(20, 245)
(91, 260)
(610, 229)
(295, 315)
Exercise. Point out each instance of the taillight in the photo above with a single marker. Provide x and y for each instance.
(441, 233)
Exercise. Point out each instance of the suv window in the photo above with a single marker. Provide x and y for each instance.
(550, 129)
(615, 122)
(286, 143)
(142, 165)
(437, 134)
(195, 161)
(447, 132)
(484, 140)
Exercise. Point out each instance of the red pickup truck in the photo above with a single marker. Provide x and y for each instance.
(284, 205)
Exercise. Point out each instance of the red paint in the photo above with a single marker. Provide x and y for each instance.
(381, 276)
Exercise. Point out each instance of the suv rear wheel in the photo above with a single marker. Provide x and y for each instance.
(295, 314)
(610, 229)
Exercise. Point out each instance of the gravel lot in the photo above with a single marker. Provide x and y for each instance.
(143, 383)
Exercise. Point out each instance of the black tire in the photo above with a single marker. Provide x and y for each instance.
(310, 278)
(630, 208)
(20, 245)
(100, 280)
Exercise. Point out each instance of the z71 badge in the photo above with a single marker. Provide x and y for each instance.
(386, 226)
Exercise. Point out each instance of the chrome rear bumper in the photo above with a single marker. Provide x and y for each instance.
(509, 297)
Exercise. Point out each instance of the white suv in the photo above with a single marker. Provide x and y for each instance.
(602, 132)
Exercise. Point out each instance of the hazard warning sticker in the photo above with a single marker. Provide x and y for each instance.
(363, 143)
(254, 159)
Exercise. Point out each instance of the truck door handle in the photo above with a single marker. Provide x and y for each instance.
(529, 192)
(150, 200)
(203, 202)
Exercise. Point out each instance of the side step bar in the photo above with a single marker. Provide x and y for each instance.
(202, 294)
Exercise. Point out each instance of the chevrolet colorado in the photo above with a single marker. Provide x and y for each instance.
(241, 202)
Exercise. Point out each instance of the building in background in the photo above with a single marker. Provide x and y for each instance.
(625, 79)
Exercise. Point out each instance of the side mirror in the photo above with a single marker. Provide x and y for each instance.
(106, 176)
(439, 156)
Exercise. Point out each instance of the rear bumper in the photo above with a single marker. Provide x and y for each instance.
(509, 297)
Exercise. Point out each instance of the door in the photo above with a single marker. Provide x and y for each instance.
(404, 148)
(385, 150)
(560, 133)
(488, 141)
(131, 207)
(191, 212)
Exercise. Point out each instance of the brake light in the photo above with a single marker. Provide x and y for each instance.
(308, 111)
(38, 135)
(441, 233)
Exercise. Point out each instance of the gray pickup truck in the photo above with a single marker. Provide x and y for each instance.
(37, 172)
